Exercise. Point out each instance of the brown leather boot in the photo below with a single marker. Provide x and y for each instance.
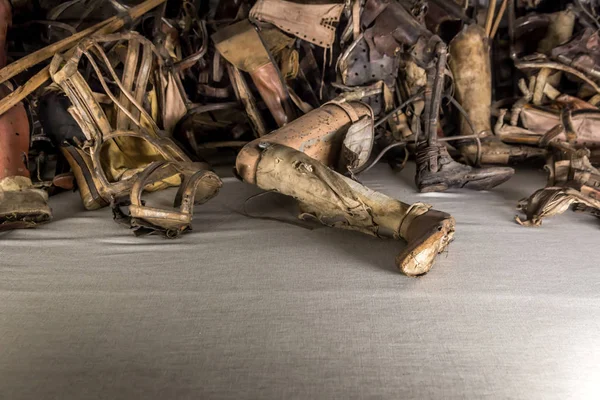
(22, 206)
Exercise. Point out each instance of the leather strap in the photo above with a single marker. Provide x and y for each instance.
(414, 211)
(348, 109)
(314, 23)
(372, 10)
(567, 123)
(175, 222)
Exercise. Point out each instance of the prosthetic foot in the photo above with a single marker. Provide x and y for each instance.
(335, 200)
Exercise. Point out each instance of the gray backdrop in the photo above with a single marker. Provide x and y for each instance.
(253, 309)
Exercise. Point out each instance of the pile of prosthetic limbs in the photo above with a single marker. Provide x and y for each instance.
(115, 98)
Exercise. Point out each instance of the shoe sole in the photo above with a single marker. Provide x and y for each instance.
(485, 183)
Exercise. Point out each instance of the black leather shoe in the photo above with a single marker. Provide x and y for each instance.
(437, 171)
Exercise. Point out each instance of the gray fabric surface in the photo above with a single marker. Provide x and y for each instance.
(252, 309)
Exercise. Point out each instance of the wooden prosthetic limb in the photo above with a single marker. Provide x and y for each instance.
(471, 69)
(294, 161)
(21, 206)
(319, 134)
(14, 140)
(14, 124)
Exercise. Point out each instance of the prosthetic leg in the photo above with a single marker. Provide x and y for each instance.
(21, 206)
(436, 170)
(391, 28)
(470, 66)
(294, 160)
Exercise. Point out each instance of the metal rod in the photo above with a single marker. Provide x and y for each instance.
(499, 18)
(410, 100)
(490, 17)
